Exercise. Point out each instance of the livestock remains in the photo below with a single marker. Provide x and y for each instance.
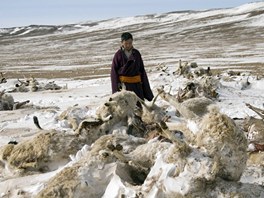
(7, 102)
(106, 155)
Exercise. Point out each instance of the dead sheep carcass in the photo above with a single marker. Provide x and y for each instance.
(121, 112)
(191, 109)
(182, 164)
(36, 154)
(72, 116)
(202, 72)
(28, 84)
(206, 86)
(32, 84)
(40, 152)
(152, 113)
(188, 170)
(224, 141)
(255, 129)
(7, 102)
(196, 166)
(126, 109)
(119, 156)
(184, 69)
(192, 70)
(2, 79)
(104, 159)
(121, 109)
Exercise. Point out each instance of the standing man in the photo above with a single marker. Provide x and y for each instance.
(128, 70)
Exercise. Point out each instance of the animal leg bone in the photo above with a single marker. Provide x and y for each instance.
(258, 111)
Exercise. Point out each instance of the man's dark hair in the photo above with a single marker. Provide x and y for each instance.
(126, 36)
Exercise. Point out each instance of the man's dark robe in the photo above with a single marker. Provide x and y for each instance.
(132, 66)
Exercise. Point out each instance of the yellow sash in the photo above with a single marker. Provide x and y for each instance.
(130, 79)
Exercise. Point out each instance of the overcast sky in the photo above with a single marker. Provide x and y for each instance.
(49, 12)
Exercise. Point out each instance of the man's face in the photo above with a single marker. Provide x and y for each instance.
(128, 44)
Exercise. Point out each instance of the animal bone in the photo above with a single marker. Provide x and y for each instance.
(258, 111)
(181, 145)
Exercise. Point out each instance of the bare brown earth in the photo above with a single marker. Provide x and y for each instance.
(80, 74)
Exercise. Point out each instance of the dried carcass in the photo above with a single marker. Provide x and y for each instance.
(2, 79)
(7, 102)
(193, 108)
(255, 129)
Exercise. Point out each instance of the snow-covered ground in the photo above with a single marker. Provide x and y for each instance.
(170, 37)
(18, 125)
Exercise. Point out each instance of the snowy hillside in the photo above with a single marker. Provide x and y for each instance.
(221, 38)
